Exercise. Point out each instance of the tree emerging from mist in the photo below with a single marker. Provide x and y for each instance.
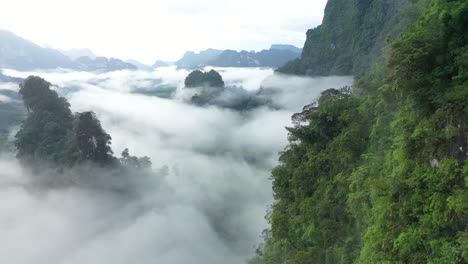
(52, 134)
(92, 141)
(198, 78)
(48, 127)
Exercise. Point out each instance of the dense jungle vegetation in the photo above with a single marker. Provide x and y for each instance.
(379, 173)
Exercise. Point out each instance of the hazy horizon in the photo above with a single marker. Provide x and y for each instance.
(148, 31)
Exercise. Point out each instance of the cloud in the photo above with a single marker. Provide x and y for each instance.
(210, 206)
(5, 99)
(9, 86)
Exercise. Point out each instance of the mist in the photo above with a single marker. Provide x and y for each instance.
(207, 199)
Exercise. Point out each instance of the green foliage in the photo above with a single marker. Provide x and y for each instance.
(352, 36)
(135, 162)
(311, 185)
(44, 133)
(92, 141)
(198, 78)
(51, 134)
(380, 175)
(432, 54)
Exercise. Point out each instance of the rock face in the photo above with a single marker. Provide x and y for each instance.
(351, 37)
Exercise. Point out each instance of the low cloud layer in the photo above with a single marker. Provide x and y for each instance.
(208, 208)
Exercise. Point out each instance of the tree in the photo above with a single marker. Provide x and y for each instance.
(93, 142)
(44, 133)
(198, 78)
(134, 162)
(214, 79)
(194, 79)
(380, 175)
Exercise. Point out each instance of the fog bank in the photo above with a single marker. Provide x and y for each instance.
(209, 204)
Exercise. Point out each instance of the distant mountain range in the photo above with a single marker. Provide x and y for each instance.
(139, 65)
(74, 54)
(194, 60)
(273, 58)
(20, 54)
(276, 56)
(160, 63)
(102, 64)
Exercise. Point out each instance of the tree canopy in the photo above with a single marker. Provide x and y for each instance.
(378, 174)
(45, 132)
(198, 78)
(52, 134)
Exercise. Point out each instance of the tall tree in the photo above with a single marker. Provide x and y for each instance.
(92, 141)
(43, 135)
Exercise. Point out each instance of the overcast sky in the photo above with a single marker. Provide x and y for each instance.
(147, 30)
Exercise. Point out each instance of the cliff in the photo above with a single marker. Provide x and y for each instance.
(351, 37)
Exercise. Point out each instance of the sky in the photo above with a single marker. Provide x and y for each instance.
(147, 30)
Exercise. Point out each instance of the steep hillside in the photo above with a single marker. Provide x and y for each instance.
(352, 36)
(378, 173)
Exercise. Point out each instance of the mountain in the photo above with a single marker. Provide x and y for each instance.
(274, 57)
(286, 47)
(377, 172)
(351, 37)
(74, 54)
(102, 64)
(160, 63)
(266, 58)
(232, 58)
(194, 60)
(139, 65)
(20, 54)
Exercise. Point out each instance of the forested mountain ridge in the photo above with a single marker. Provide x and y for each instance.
(351, 37)
(378, 173)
